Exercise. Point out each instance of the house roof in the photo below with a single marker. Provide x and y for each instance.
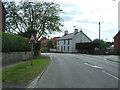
(117, 34)
(43, 38)
(68, 36)
(3, 7)
(55, 38)
(45, 41)
(72, 35)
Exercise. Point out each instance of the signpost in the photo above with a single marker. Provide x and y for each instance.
(32, 41)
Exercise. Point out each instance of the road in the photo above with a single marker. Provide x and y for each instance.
(79, 71)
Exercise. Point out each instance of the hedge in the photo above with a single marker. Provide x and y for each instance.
(86, 46)
(13, 43)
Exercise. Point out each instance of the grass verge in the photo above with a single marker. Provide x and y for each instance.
(24, 72)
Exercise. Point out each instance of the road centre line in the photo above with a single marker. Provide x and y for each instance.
(94, 66)
(110, 74)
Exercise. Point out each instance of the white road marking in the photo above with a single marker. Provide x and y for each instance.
(94, 66)
(33, 83)
(110, 74)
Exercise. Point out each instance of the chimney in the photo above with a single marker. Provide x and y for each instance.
(75, 31)
(66, 32)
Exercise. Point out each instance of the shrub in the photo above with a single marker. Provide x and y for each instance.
(13, 43)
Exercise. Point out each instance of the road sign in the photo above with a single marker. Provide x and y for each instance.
(32, 40)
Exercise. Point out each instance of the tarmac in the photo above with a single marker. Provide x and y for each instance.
(113, 58)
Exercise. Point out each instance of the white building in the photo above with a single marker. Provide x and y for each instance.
(67, 43)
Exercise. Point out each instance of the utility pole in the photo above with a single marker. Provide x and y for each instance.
(99, 38)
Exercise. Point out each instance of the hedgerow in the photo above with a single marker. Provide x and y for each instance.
(13, 43)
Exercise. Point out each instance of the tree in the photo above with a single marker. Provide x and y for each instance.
(108, 44)
(40, 18)
(102, 43)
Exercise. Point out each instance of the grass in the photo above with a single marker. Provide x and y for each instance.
(0, 75)
(24, 72)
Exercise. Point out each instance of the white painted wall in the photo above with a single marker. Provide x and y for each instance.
(53, 50)
(76, 39)
(62, 45)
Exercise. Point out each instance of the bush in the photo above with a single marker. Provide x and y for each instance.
(13, 43)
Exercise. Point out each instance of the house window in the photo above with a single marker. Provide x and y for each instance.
(58, 42)
(68, 48)
(64, 41)
(64, 48)
(68, 41)
(58, 47)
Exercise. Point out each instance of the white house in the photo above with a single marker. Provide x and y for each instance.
(67, 43)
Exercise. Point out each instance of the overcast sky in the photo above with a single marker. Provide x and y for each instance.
(86, 14)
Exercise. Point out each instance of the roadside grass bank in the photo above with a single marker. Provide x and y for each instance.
(25, 72)
(0, 75)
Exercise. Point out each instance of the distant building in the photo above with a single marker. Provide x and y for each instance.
(45, 43)
(54, 41)
(117, 43)
(2, 17)
(67, 43)
(110, 49)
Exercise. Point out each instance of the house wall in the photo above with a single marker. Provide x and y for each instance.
(61, 46)
(79, 38)
(2, 17)
(117, 44)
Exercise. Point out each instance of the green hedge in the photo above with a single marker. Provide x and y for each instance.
(13, 43)
(86, 46)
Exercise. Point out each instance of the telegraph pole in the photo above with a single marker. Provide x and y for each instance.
(99, 38)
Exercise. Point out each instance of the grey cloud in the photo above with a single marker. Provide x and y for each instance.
(87, 21)
(92, 22)
(74, 12)
(67, 5)
(66, 18)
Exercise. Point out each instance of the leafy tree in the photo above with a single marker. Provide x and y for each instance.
(102, 43)
(109, 44)
(40, 18)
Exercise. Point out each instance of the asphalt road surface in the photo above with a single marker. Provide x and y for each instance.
(79, 71)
